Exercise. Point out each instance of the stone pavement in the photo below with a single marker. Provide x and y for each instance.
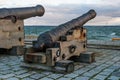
(106, 67)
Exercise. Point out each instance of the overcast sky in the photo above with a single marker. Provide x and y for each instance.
(61, 11)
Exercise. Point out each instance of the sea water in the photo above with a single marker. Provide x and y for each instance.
(93, 32)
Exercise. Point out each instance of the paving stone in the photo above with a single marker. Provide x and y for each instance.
(81, 78)
(100, 77)
(104, 65)
(91, 66)
(27, 78)
(20, 72)
(78, 72)
(109, 62)
(32, 72)
(1, 64)
(23, 75)
(37, 76)
(64, 78)
(93, 79)
(55, 76)
(78, 66)
(89, 74)
(99, 68)
(46, 78)
(16, 69)
(5, 68)
(12, 78)
(86, 69)
(101, 61)
(114, 67)
(116, 59)
(6, 72)
(95, 71)
(71, 75)
(106, 73)
(46, 73)
(116, 73)
(109, 70)
(1, 76)
(113, 78)
(117, 64)
(7, 76)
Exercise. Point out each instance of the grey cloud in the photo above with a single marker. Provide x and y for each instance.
(56, 15)
(104, 10)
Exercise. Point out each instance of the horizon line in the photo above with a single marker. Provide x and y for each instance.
(83, 25)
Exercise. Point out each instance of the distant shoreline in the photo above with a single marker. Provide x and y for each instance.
(84, 26)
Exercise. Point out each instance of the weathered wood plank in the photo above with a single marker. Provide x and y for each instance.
(8, 43)
(5, 43)
(17, 42)
(4, 35)
(16, 35)
(7, 25)
(36, 57)
(11, 34)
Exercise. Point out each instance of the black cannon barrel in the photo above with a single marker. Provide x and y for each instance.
(48, 38)
(22, 13)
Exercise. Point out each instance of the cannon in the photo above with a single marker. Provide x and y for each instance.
(22, 13)
(56, 50)
(12, 26)
(47, 39)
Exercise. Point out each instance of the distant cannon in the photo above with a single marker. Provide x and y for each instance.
(12, 26)
(21, 13)
(47, 39)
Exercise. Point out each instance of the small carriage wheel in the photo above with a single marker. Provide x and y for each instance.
(58, 53)
(70, 68)
(72, 49)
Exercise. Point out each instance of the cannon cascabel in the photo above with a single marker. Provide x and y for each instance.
(46, 40)
(22, 13)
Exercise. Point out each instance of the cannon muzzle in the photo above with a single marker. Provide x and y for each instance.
(22, 13)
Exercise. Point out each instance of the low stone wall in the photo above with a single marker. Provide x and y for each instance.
(91, 44)
(103, 44)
